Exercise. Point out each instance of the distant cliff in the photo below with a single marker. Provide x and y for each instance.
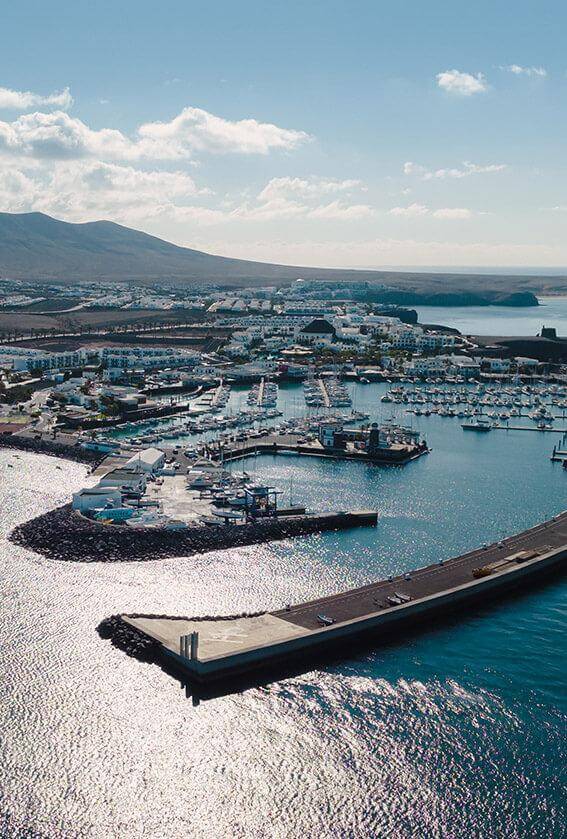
(457, 298)
(405, 315)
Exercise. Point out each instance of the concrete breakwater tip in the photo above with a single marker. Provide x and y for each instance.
(67, 536)
(128, 639)
(140, 646)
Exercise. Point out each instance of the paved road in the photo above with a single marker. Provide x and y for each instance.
(425, 581)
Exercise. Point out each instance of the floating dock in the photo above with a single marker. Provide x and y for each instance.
(212, 650)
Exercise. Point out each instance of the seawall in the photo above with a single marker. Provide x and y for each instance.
(382, 610)
(381, 625)
(65, 535)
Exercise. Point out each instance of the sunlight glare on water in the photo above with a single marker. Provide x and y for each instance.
(458, 731)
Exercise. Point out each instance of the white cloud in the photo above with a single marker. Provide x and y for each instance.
(110, 177)
(417, 210)
(461, 84)
(20, 100)
(518, 70)
(278, 188)
(17, 191)
(86, 190)
(559, 208)
(197, 130)
(411, 211)
(452, 213)
(336, 210)
(57, 135)
(465, 171)
(288, 197)
(269, 210)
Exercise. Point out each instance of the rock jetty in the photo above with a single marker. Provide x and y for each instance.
(51, 447)
(66, 535)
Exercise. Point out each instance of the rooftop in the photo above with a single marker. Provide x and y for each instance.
(319, 326)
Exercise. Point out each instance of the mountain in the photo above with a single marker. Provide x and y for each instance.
(34, 246)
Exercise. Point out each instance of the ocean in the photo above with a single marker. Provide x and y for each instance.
(499, 320)
(456, 731)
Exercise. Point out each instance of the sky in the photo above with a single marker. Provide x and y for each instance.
(341, 134)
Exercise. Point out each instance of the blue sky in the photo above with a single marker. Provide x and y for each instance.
(341, 134)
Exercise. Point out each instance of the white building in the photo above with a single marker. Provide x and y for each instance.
(127, 479)
(96, 498)
(434, 341)
(127, 358)
(148, 461)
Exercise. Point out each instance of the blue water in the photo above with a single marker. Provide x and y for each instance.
(458, 731)
(499, 320)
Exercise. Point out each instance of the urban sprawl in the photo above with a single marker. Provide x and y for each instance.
(166, 407)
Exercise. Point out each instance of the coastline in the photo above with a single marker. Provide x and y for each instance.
(76, 453)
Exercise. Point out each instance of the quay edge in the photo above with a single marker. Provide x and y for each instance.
(306, 642)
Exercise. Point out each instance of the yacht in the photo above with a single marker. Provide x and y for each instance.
(477, 424)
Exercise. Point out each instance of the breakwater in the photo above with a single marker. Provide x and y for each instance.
(65, 535)
(51, 447)
(384, 609)
(140, 646)
(276, 444)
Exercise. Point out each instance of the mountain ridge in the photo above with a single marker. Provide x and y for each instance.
(35, 246)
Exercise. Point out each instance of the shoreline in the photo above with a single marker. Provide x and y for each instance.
(64, 451)
(63, 534)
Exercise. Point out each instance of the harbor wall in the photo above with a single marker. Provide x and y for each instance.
(64, 534)
(386, 456)
(390, 622)
(51, 447)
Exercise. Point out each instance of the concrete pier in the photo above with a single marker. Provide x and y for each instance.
(397, 453)
(382, 609)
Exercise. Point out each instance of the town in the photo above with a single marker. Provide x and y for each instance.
(164, 409)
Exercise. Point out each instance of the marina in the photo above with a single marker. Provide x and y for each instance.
(541, 403)
(470, 490)
(264, 394)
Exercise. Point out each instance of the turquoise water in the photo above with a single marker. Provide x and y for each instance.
(499, 320)
(458, 731)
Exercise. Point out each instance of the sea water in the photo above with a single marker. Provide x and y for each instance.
(499, 320)
(456, 731)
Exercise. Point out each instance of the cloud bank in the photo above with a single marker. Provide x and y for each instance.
(467, 169)
(19, 100)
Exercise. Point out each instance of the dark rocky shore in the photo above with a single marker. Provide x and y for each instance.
(68, 536)
(140, 646)
(132, 642)
(51, 447)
